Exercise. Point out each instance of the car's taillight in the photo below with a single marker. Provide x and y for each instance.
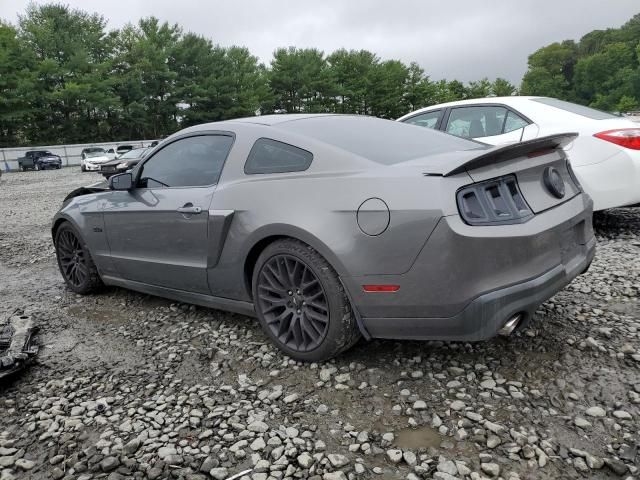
(494, 202)
(625, 137)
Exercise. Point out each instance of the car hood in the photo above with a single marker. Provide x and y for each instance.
(93, 188)
(115, 161)
(100, 159)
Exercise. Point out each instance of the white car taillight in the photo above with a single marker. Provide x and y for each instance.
(625, 137)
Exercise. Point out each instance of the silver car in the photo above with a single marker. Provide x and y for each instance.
(330, 228)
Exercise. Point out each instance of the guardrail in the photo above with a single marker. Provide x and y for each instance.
(70, 154)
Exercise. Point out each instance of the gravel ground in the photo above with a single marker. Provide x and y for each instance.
(132, 386)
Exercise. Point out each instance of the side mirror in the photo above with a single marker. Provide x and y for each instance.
(122, 181)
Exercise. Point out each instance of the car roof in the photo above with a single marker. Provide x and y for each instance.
(512, 100)
(365, 137)
(277, 118)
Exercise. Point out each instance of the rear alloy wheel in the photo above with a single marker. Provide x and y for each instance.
(301, 303)
(75, 263)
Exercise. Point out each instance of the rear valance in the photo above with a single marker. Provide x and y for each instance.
(512, 151)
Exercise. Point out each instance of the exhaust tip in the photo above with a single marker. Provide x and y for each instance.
(510, 325)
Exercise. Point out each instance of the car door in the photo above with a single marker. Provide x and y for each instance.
(158, 231)
(493, 124)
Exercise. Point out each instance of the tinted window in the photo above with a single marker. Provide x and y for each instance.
(428, 119)
(381, 141)
(575, 108)
(135, 153)
(514, 122)
(271, 156)
(474, 122)
(189, 162)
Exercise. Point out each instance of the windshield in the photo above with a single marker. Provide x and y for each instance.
(575, 108)
(382, 141)
(136, 153)
(99, 153)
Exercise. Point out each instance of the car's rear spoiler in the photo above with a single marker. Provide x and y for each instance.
(514, 150)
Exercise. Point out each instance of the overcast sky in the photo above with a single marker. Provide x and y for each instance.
(463, 39)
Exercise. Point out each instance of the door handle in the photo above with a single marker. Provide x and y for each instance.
(189, 208)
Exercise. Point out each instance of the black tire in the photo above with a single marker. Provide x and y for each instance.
(82, 169)
(75, 262)
(290, 303)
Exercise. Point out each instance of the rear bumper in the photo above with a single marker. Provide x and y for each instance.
(468, 281)
(485, 315)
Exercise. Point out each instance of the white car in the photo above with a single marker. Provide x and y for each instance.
(93, 160)
(605, 157)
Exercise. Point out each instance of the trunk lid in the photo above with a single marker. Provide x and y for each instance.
(536, 164)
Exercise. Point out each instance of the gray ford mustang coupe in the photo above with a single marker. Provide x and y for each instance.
(332, 227)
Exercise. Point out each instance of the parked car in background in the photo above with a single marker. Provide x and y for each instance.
(605, 156)
(124, 162)
(88, 150)
(93, 160)
(39, 160)
(108, 152)
(123, 149)
(329, 227)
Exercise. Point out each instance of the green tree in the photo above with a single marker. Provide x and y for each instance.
(16, 85)
(351, 75)
(419, 90)
(300, 80)
(478, 89)
(550, 70)
(503, 88)
(72, 91)
(596, 74)
(388, 80)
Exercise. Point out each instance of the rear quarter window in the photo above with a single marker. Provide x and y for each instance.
(271, 156)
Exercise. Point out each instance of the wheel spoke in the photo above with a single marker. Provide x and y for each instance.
(316, 316)
(273, 277)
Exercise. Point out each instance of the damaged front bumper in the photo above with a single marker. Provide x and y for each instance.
(18, 346)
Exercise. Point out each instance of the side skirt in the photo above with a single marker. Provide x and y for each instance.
(218, 303)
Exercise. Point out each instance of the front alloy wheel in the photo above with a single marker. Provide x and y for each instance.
(301, 303)
(75, 263)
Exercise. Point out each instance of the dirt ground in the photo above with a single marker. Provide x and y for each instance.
(132, 386)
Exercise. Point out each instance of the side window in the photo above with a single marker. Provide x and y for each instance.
(271, 156)
(514, 122)
(474, 122)
(428, 119)
(189, 162)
